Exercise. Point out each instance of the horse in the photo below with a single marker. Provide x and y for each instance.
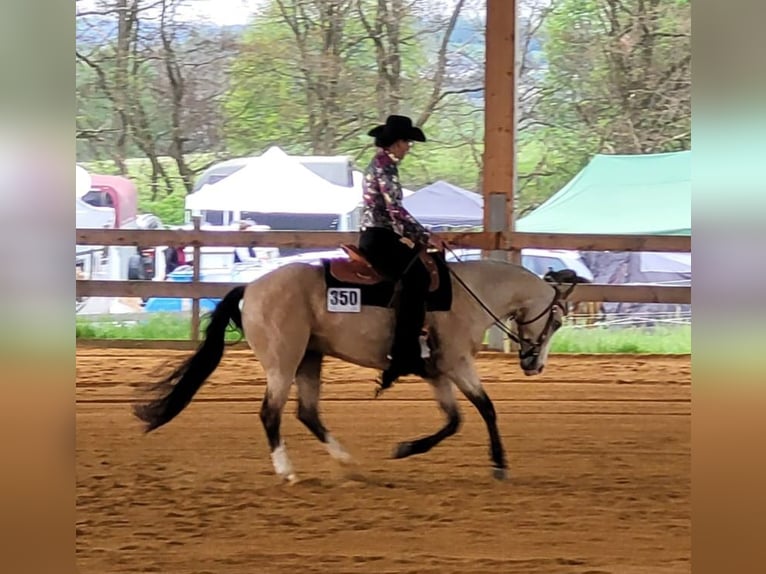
(295, 315)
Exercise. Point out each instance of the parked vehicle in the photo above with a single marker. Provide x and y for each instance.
(539, 261)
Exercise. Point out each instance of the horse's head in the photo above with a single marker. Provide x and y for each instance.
(537, 324)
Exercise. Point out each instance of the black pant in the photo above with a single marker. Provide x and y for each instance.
(394, 260)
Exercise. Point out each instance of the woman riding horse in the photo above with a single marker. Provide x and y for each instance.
(392, 240)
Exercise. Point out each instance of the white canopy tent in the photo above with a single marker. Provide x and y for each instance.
(275, 183)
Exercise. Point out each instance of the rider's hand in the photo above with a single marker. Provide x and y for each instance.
(407, 241)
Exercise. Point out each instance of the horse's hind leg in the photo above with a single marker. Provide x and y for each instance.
(445, 395)
(277, 390)
(308, 381)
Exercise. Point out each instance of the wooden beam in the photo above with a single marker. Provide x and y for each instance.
(581, 242)
(584, 292)
(675, 295)
(293, 239)
(499, 115)
(486, 240)
(107, 288)
(196, 266)
(210, 238)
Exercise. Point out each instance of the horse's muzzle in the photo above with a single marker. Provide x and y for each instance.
(529, 362)
(535, 371)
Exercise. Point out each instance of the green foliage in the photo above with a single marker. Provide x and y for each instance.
(289, 89)
(317, 89)
(618, 81)
(97, 111)
(264, 102)
(613, 77)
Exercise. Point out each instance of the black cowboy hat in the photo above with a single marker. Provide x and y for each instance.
(398, 128)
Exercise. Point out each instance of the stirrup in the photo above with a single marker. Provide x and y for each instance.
(425, 347)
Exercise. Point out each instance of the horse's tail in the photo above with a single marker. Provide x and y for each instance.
(177, 389)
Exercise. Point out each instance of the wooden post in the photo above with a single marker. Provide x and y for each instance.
(197, 220)
(499, 127)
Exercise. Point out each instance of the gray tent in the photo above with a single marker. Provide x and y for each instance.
(442, 204)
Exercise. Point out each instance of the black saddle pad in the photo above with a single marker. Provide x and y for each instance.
(381, 294)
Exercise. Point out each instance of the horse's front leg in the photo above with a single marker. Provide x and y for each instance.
(467, 380)
(445, 395)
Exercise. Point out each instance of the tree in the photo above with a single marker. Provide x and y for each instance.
(618, 80)
(314, 75)
(147, 84)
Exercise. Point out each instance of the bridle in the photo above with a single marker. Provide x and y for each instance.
(533, 347)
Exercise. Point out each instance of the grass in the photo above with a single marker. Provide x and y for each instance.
(634, 340)
(158, 327)
(663, 340)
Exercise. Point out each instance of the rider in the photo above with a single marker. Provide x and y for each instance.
(391, 239)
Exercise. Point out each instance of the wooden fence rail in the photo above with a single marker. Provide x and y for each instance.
(507, 241)
(510, 241)
(215, 290)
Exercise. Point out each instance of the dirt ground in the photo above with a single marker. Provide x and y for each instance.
(599, 450)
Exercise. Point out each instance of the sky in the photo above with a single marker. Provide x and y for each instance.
(221, 12)
(226, 12)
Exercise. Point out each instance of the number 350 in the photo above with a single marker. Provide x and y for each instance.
(344, 298)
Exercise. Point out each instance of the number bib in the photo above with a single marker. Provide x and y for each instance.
(344, 300)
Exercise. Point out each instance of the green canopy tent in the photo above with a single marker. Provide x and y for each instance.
(631, 195)
(621, 194)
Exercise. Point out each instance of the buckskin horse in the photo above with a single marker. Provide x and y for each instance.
(299, 313)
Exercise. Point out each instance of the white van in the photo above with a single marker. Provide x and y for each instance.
(539, 261)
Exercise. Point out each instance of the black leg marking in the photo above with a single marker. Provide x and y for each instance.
(271, 417)
(308, 381)
(445, 395)
(309, 416)
(423, 445)
(485, 407)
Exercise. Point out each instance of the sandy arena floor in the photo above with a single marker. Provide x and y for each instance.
(599, 449)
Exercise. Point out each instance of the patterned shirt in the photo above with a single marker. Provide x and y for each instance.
(383, 200)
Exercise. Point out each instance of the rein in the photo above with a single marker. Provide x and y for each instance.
(499, 322)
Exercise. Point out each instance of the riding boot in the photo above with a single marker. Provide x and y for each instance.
(408, 362)
(406, 352)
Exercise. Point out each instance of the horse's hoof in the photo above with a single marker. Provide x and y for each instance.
(346, 460)
(500, 473)
(403, 450)
(292, 479)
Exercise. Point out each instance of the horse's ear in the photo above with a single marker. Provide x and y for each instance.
(563, 276)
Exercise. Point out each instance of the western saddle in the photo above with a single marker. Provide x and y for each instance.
(356, 269)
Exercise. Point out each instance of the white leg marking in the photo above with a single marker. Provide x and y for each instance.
(282, 464)
(337, 451)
